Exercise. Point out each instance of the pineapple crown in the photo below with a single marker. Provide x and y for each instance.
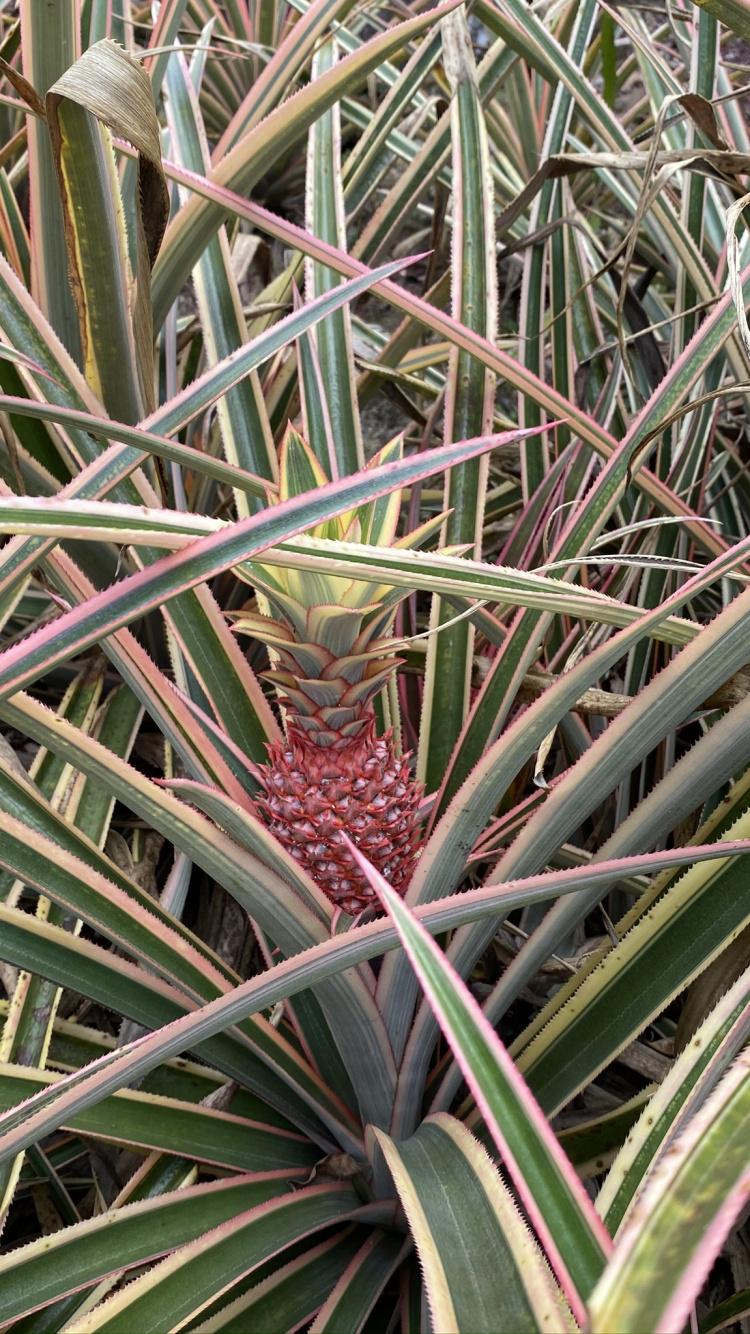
(329, 633)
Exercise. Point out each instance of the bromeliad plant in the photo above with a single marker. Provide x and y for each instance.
(231, 1099)
(333, 775)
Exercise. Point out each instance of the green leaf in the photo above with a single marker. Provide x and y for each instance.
(50, 45)
(152, 1122)
(252, 156)
(693, 1075)
(432, 571)
(245, 430)
(734, 14)
(258, 1057)
(273, 83)
(470, 397)
(361, 163)
(609, 57)
(559, 1209)
(593, 1144)
(268, 899)
(105, 85)
(726, 1313)
(701, 667)
(51, 1267)
(184, 570)
(290, 1295)
(681, 1218)
(115, 1070)
(460, 1213)
(664, 944)
(351, 1299)
(180, 1287)
(325, 218)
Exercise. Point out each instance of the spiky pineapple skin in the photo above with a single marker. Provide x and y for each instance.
(314, 793)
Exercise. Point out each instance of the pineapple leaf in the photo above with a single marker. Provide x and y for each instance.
(299, 470)
(336, 628)
(379, 519)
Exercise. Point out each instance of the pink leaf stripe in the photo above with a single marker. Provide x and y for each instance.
(335, 1201)
(503, 897)
(525, 381)
(136, 437)
(217, 379)
(282, 68)
(705, 1225)
(174, 574)
(233, 1189)
(25, 1123)
(120, 460)
(553, 703)
(557, 1164)
(165, 702)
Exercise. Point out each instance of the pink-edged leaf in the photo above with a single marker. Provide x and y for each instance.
(274, 80)
(347, 999)
(120, 460)
(291, 1294)
(176, 1127)
(8, 353)
(695, 1072)
(216, 380)
(572, 1233)
(255, 1053)
(116, 910)
(49, 1268)
(362, 1282)
(45, 1111)
(458, 335)
(147, 441)
(240, 762)
(148, 589)
(161, 39)
(250, 831)
(442, 859)
(676, 1228)
(244, 165)
(219, 645)
(316, 419)
(176, 1290)
(165, 704)
(460, 1211)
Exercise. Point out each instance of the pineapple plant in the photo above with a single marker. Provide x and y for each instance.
(319, 1129)
(329, 637)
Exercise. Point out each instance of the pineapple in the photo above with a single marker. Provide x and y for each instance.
(332, 654)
